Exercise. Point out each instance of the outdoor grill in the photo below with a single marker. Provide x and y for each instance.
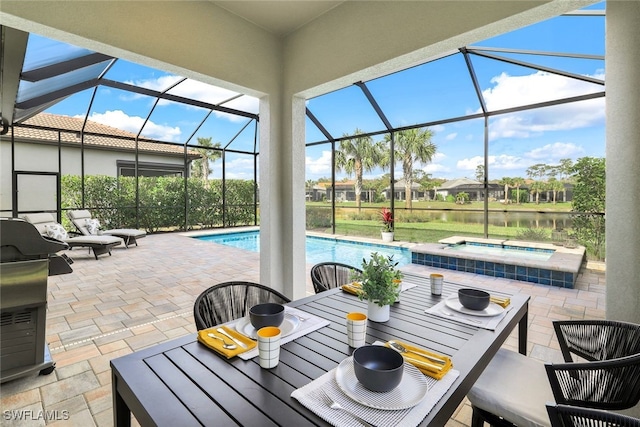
(26, 261)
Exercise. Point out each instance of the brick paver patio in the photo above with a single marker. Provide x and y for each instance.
(144, 295)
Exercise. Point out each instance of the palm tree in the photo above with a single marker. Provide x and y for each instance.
(480, 173)
(555, 186)
(412, 145)
(507, 182)
(566, 165)
(201, 168)
(309, 184)
(517, 182)
(536, 188)
(356, 155)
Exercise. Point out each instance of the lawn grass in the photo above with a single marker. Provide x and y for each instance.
(428, 232)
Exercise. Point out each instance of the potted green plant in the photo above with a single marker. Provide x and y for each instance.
(380, 285)
(387, 225)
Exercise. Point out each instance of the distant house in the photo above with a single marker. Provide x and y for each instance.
(474, 189)
(345, 191)
(317, 193)
(399, 191)
(547, 196)
(48, 146)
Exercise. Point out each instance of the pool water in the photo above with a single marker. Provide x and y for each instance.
(319, 249)
(536, 254)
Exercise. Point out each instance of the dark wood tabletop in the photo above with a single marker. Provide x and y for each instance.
(183, 383)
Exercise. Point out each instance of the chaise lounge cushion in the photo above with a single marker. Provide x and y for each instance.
(45, 221)
(90, 226)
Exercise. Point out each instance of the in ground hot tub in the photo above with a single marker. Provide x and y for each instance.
(511, 259)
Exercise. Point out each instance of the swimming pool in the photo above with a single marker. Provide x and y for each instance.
(319, 249)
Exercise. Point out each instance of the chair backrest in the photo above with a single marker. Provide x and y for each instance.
(573, 416)
(41, 220)
(612, 384)
(597, 339)
(329, 275)
(79, 219)
(231, 300)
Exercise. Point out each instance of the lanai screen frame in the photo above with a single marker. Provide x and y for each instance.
(97, 66)
(467, 52)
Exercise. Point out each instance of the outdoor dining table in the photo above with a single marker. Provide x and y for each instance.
(183, 383)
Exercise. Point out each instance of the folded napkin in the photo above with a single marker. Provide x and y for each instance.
(424, 364)
(216, 345)
(352, 288)
(355, 287)
(501, 301)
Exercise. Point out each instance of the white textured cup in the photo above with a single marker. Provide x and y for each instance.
(436, 283)
(269, 346)
(356, 329)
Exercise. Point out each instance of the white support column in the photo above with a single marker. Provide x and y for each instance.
(282, 207)
(271, 208)
(623, 160)
(295, 155)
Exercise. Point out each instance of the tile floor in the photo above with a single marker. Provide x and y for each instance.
(144, 295)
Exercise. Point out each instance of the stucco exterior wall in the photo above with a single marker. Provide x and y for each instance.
(44, 158)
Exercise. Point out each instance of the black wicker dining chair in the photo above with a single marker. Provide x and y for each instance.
(611, 384)
(329, 275)
(597, 339)
(231, 300)
(514, 389)
(574, 416)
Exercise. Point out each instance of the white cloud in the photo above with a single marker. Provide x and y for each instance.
(320, 166)
(451, 136)
(552, 153)
(503, 161)
(120, 120)
(241, 168)
(437, 128)
(509, 91)
(470, 164)
(435, 167)
(193, 89)
(438, 157)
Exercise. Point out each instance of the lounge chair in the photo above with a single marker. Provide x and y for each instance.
(89, 226)
(48, 226)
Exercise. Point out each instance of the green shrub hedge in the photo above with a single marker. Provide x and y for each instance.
(162, 202)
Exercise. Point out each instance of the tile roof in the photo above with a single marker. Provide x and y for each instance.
(55, 121)
(457, 182)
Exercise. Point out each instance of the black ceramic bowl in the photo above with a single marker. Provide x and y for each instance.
(267, 314)
(473, 299)
(378, 368)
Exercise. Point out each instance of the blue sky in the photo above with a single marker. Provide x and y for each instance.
(433, 91)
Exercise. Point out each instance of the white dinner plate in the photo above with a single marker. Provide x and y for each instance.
(289, 324)
(492, 309)
(411, 390)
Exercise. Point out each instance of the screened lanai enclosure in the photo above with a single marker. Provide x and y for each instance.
(488, 140)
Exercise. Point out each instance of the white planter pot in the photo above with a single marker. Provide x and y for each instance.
(375, 313)
(387, 236)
